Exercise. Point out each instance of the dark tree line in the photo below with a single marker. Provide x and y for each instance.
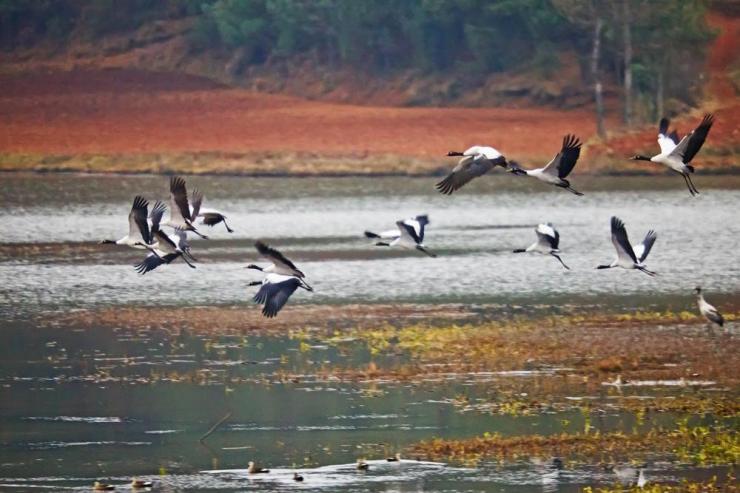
(387, 35)
(652, 48)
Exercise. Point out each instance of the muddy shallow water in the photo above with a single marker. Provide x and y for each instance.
(85, 401)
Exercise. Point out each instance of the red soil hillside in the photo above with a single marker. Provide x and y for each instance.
(133, 118)
(723, 54)
(137, 112)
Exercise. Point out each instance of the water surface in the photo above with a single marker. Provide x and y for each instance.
(112, 404)
(319, 223)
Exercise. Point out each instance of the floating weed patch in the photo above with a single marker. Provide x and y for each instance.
(594, 345)
(702, 445)
(509, 403)
(418, 340)
(666, 316)
(686, 486)
(554, 363)
(696, 404)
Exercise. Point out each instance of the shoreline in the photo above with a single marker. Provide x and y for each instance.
(278, 166)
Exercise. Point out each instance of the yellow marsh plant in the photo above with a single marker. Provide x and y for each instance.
(716, 445)
(685, 486)
(432, 341)
(706, 445)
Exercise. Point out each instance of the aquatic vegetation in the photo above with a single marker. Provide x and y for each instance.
(238, 320)
(704, 445)
(325, 319)
(666, 316)
(718, 444)
(696, 404)
(712, 486)
(577, 342)
(532, 365)
(644, 407)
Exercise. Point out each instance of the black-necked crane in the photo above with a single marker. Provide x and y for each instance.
(139, 234)
(419, 224)
(708, 311)
(275, 290)
(548, 242)
(280, 263)
(476, 161)
(408, 239)
(626, 256)
(166, 248)
(209, 217)
(181, 215)
(165, 251)
(643, 249)
(559, 168)
(676, 155)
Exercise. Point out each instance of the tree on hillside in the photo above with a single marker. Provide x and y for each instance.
(669, 59)
(24, 23)
(658, 53)
(588, 15)
(653, 50)
(626, 18)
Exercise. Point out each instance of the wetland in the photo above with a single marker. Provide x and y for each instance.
(479, 367)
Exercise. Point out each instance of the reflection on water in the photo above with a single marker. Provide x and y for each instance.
(112, 404)
(319, 222)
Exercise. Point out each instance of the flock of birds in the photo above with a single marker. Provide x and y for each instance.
(282, 278)
(548, 469)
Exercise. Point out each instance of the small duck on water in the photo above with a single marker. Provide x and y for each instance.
(254, 469)
(139, 483)
(362, 465)
(395, 458)
(98, 486)
(617, 383)
(297, 477)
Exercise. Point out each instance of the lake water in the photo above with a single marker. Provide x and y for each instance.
(92, 404)
(78, 404)
(319, 223)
